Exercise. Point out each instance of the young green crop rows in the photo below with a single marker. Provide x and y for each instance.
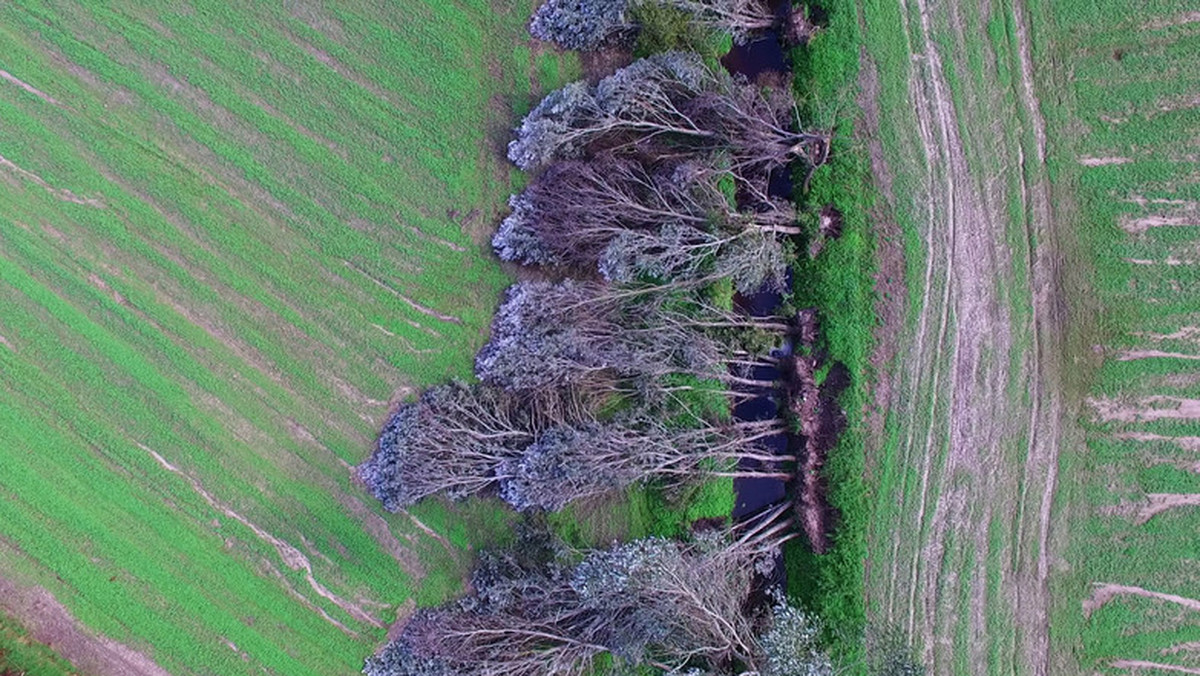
(1130, 120)
(232, 235)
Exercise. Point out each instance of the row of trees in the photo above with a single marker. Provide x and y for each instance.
(676, 606)
(656, 200)
(651, 186)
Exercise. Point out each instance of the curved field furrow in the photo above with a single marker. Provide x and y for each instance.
(976, 407)
(1046, 157)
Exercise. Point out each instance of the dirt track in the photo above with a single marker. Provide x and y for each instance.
(50, 623)
(963, 563)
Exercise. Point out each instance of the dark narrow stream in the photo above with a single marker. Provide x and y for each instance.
(764, 55)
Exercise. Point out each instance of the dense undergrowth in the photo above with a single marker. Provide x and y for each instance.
(839, 282)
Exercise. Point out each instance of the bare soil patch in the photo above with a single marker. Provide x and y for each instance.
(1137, 666)
(1186, 443)
(1157, 503)
(1141, 224)
(60, 193)
(1134, 355)
(1155, 407)
(1169, 22)
(4, 74)
(983, 460)
(1104, 593)
(1103, 161)
(1189, 647)
(49, 623)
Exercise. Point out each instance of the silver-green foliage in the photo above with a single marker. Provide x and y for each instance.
(791, 645)
(580, 24)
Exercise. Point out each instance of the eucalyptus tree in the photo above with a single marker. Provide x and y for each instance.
(573, 462)
(742, 19)
(452, 438)
(653, 603)
(581, 24)
(673, 222)
(669, 103)
(591, 24)
(575, 333)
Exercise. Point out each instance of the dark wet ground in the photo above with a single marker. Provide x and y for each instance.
(764, 55)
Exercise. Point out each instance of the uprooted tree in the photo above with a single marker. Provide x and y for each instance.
(459, 440)
(664, 105)
(583, 334)
(591, 24)
(451, 439)
(569, 463)
(674, 222)
(663, 605)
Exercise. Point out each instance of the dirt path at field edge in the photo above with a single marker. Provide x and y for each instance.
(49, 623)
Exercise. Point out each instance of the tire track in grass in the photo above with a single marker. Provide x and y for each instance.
(981, 419)
(50, 623)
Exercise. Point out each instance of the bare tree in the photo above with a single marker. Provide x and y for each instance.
(570, 463)
(668, 100)
(547, 334)
(654, 602)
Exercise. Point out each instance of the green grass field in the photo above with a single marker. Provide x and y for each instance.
(1036, 186)
(21, 654)
(1130, 124)
(233, 235)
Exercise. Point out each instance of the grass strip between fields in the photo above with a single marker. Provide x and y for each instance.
(839, 283)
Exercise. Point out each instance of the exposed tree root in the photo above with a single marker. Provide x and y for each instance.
(814, 408)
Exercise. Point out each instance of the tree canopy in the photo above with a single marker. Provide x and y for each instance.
(676, 222)
(591, 24)
(659, 105)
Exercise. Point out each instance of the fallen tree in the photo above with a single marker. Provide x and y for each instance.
(451, 439)
(675, 223)
(664, 105)
(570, 463)
(591, 24)
(659, 604)
(460, 441)
(571, 333)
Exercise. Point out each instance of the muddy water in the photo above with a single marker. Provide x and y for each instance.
(753, 495)
(753, 59)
